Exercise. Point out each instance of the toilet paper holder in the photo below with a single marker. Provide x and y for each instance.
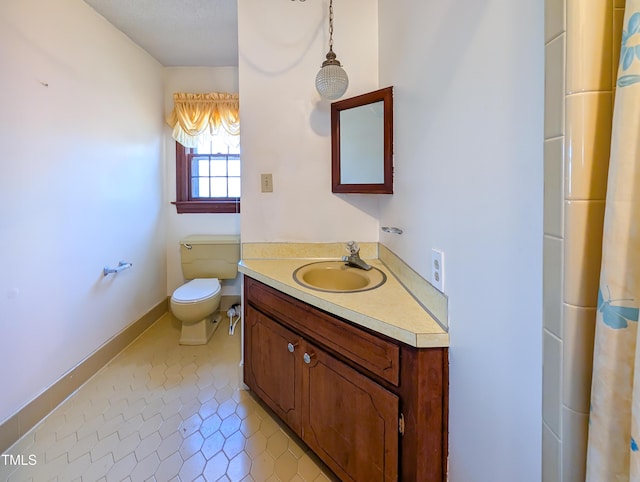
(122, 265)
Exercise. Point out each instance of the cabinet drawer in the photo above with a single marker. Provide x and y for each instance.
(378, 356)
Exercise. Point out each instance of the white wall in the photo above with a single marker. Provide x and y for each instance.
(468, 80)
(81, 187)
(285, 125)
(195, 80)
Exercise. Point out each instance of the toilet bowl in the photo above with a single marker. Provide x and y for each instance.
(195, 304)
(205, 259)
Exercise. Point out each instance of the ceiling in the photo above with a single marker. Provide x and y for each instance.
(178, 33)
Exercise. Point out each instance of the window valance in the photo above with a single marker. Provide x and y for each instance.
(197, 117)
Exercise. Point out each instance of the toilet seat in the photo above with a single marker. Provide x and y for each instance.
(196, 290)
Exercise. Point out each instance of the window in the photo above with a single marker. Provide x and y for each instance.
(208, 177)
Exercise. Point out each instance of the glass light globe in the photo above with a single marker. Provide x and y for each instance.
(332, 80)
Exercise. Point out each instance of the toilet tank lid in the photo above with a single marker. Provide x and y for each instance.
(211, 239)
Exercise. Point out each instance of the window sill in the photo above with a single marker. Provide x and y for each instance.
(226, 206)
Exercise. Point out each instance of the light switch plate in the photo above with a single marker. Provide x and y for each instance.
(266, 182)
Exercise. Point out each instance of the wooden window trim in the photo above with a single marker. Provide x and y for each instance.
(184, 202)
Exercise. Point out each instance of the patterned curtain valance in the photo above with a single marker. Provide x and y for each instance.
(197, 117)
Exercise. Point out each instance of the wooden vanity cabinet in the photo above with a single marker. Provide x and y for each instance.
(275, 366)
(372, 408)
(349, 421)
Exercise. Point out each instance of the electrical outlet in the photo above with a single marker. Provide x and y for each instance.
(266, 182)
(437, 269)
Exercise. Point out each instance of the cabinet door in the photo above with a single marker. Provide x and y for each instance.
(350, 421)
(273, 366)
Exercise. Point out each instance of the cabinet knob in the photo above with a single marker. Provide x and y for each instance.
(291, 347)
(307, 358)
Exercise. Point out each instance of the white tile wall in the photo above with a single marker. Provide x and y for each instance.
(554, 88)
(551, 454)
(577, 357)
(554, 19)
(588, 138)
(582, 251)
(554, 186)
(552, 285)
(589, 52)
(552, 383)
(581, 46)
(574, 445)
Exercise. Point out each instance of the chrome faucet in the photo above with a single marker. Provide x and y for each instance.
(354, 257)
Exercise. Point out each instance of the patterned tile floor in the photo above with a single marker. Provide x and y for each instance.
(164, 412)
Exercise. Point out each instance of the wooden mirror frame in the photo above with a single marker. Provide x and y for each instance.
(386, 187)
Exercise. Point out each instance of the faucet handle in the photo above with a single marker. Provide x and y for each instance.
(353, 248)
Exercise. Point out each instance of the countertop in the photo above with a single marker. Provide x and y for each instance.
(389, 309)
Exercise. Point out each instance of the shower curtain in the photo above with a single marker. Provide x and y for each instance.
(613, 452)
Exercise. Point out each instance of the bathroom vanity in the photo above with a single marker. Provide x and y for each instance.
(372, 407)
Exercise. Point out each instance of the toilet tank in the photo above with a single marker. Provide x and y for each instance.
(210, 256)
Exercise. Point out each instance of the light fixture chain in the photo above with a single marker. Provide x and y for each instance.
(331, 25)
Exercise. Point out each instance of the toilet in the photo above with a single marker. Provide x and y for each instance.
(205, 259)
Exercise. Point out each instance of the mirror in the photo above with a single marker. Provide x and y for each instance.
(362, 143)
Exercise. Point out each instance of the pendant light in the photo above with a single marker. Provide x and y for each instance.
(332, 80)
